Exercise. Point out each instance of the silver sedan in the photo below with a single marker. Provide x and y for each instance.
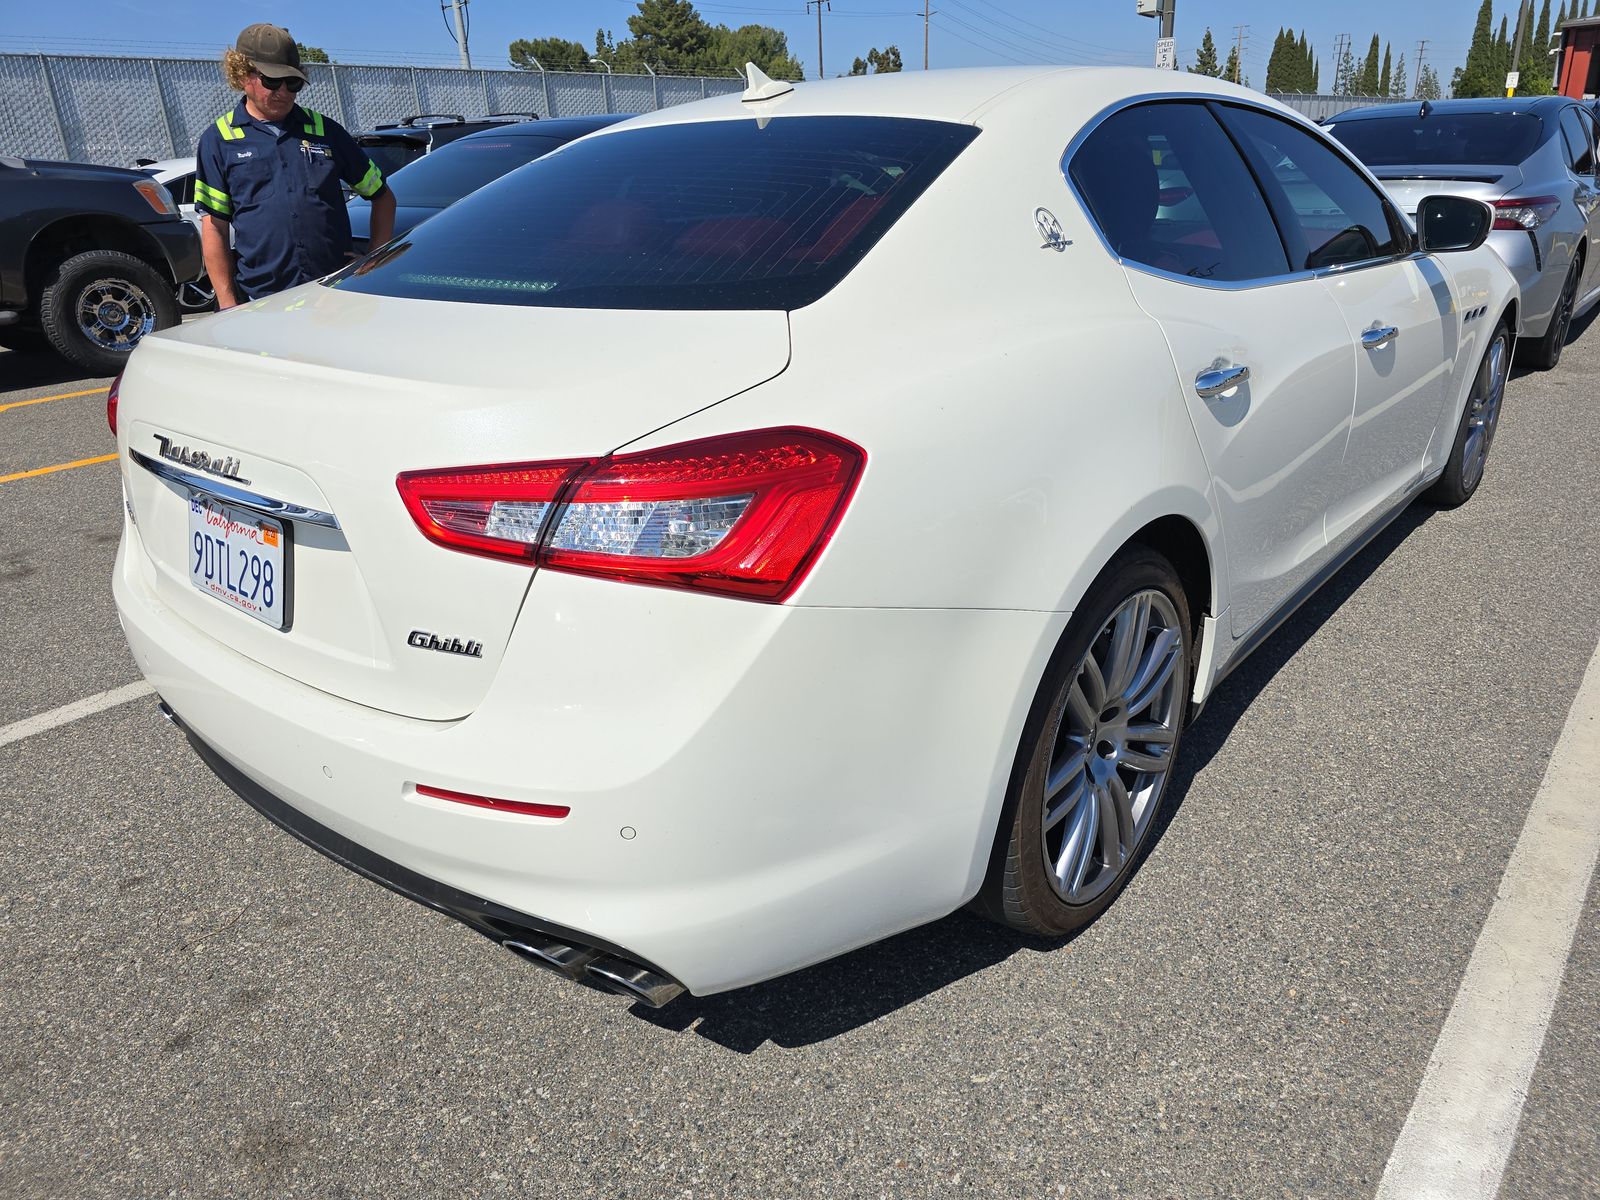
(1533, 159)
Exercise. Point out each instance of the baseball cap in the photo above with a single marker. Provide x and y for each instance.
(271, 51)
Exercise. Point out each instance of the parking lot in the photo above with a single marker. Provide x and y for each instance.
(196, 1004)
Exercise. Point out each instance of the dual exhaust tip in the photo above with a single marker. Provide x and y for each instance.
(604, 970)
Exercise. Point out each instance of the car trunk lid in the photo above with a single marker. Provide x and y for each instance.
(320, 398)
(1409, 186)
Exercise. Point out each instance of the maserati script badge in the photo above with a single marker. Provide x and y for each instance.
(223, 468)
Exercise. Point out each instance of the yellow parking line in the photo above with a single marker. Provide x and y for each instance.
(82, 462)
(47, 399)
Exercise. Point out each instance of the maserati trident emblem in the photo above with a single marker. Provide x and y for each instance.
(1050, 230)
(423, 640)
(222, 467)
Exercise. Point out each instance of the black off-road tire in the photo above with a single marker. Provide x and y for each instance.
(1018, 890)
(145, 297)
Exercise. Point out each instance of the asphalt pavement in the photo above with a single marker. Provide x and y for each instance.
(194, 1004)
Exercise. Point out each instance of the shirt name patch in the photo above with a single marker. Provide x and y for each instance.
(244, 153)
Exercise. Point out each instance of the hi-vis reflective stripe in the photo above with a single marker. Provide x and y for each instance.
(371, 183)
(226, 128)
(313, 123)
(215, 199)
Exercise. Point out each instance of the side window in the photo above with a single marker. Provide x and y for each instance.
(1332, 216)
(182, 189)
(1168, 190)
(1579, 136)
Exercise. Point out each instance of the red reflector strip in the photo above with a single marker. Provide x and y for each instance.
(514, 806)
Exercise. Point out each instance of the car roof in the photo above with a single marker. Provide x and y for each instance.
(556, 127)
(1537, 105)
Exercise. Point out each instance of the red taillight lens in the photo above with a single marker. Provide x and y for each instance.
(498, 511)
(744, 515)
(111, 403)
(1527, 213)
(524, 807)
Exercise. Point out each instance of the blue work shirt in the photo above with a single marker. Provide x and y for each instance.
(280, 191)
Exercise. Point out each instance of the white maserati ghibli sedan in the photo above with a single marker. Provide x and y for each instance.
(773, 523)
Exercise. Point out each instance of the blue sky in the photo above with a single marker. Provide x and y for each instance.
(964, 32)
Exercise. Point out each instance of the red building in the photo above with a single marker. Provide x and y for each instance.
(1578, 59)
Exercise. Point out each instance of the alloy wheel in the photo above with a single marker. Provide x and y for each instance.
(115, 313)
(1116, 728)
(1483, 411)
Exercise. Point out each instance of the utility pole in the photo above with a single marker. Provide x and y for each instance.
(1341, 46)
(1516, 50)
(1416, 85)
(458, 8)
(819, 5)
(1241, 34)
(926, 13)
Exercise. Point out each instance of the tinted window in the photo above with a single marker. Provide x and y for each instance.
(1580, 141)
(392, 154)
(440, 179)
(1167, 189)
(1475, 139)
(710, 214)
(1332, 217)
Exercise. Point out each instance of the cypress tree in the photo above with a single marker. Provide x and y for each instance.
(1387, 75)
(1480, 55)
(1275, 81)
(1316, 77)
(1367, 85)
(1205, 60)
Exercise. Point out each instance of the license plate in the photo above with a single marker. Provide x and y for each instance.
(238, 556)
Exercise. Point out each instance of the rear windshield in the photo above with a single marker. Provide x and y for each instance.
(1478, 139)
(439, 179)
(715, 214)
(392, 153)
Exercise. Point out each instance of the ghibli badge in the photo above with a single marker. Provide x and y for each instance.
(423, 640)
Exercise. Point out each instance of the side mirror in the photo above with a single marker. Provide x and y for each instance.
(1451, 223)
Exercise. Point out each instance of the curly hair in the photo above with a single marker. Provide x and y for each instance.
(236, 68)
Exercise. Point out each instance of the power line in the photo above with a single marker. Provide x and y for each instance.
(819, 5)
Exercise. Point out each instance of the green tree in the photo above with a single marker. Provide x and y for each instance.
(1346, 75)
(879, 62)
(1205, 59)
(670, 35)
(1386, 76)
(1428, 84)
(1231, 69)
(1537, 63)
(313, 54)
(1306, 66)
(1399, 86)
(1367, 82)
(763, 45)
(1474, 80)
(552, 53)
(1275, 80)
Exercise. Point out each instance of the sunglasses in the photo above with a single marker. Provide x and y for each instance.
(289, 81)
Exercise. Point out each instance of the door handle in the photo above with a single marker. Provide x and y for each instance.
(1218, 380)
(1378, 337)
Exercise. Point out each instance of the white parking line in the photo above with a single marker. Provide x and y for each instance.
(68, 713)
(1459, 1133)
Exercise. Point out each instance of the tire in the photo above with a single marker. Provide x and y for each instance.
(1077, 762)
(1544, 353)
(99, 305)
(1479, 420)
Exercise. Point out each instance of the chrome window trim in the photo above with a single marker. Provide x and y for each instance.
(1408, 253)
(268, 505)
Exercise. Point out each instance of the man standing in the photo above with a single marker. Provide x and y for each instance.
(270, 171)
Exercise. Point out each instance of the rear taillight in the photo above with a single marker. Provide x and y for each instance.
(744, 515)
(1525, 213)
(522, 807)
(111, 404)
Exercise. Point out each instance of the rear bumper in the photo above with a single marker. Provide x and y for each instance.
(753, 788)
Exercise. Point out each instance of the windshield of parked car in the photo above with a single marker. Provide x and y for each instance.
(1478, 139)
(740, 214)
(439, 179)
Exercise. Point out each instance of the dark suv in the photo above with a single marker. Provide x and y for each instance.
(90, 260)
(394, 145)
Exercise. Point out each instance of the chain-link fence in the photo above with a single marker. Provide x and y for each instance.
(1320, 108)
(117, 110)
